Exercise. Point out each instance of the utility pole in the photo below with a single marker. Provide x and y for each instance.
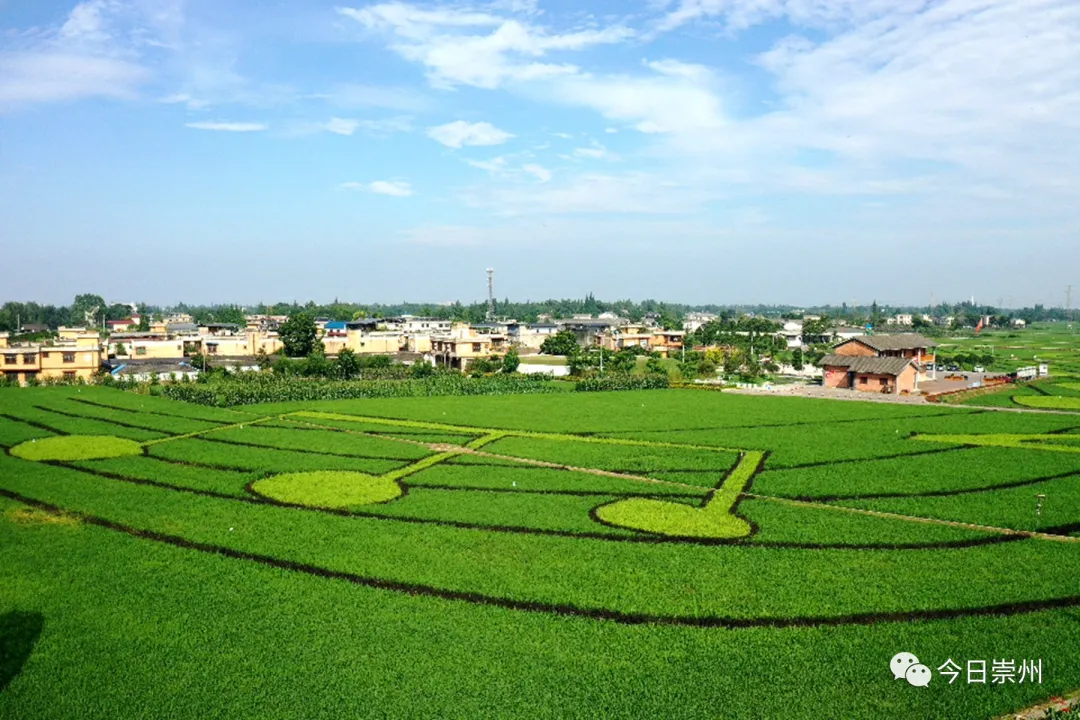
(491, 295)
(1068, 302)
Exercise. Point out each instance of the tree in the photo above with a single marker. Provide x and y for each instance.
(421, 369)
(87, 310)
(347, 365)
(299, 335)
(563, 342)
(120, 349)
(230, 314)
(511, 361)
(654, 366)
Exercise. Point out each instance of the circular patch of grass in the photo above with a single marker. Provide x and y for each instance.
(70, 448)
(329, 488)
(673, 519)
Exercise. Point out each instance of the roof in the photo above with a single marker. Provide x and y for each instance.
(875, 365)
(901, 341)
(336, 325)
(181, 327)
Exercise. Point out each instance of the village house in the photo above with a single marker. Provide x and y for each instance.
(76, 356)
(530, 336)
(458, 351)
(891, 364)
(694, 320)
(130, 323)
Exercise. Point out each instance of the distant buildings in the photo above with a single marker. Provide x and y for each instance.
(76, 355)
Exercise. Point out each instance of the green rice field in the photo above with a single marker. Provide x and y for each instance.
(643, 554)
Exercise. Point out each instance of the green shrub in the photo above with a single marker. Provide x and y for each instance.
(254, 388)
(652, 381)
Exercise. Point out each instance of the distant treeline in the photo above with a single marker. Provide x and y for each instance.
(93, 309)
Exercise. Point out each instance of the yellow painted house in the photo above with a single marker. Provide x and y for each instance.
(76, 356)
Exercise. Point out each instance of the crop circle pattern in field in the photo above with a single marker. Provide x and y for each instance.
(71, 448)
(333, 489)
(725, 578)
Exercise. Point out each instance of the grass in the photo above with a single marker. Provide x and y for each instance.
(453, 583)
(1043, 402)
(76, 447)
(714, 519)
(329, 489)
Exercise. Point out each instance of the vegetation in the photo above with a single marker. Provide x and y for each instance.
(487, 586)
(329, 488)
(299, 335)
(75, 447)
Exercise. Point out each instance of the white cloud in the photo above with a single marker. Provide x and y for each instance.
(564, 136)
(460, 46)
(227, 126)
(353, 95)
(394, 188)
(459, 133)
(494, 166)
(631, 193)
(42, 77)
(676, 97)
(596, 151)
(90, 55)
(537, 171)
(341, 126)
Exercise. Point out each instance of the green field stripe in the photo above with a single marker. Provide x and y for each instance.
(419, 465)
(723, 498)
(485, 440)
(185, 436)
(915, 518)
(506, 433)
(1006, 440)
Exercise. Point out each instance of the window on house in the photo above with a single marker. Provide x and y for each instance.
(862, 381)
(141, 350)
(69, 358)
(476, 347)
(883, 381)
(28, 376)
(69, 374)
(29, 358)
(11, 359)
(44, 355)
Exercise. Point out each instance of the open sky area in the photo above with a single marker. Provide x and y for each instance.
(785, 151)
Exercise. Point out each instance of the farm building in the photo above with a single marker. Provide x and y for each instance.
(879, 363)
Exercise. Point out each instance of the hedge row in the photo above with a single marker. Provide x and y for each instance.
(652, 381)
(258, 388)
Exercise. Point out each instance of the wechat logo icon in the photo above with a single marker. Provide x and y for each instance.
(907, 666)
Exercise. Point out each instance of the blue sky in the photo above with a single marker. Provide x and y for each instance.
(727, 151)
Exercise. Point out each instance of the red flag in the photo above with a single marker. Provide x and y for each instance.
(979, 327)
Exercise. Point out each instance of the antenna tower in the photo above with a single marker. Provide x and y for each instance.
(491, 294)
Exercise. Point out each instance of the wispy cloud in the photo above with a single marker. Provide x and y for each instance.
(463, 46)
(227, 126)
(394, 188)
(91, 54)
(460, 133)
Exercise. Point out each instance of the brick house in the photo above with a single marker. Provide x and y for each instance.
(879, 363)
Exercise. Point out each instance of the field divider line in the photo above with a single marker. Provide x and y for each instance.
(532, 434)
(471, 449)
(197, 433)
(591, 471)
(914, 518)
